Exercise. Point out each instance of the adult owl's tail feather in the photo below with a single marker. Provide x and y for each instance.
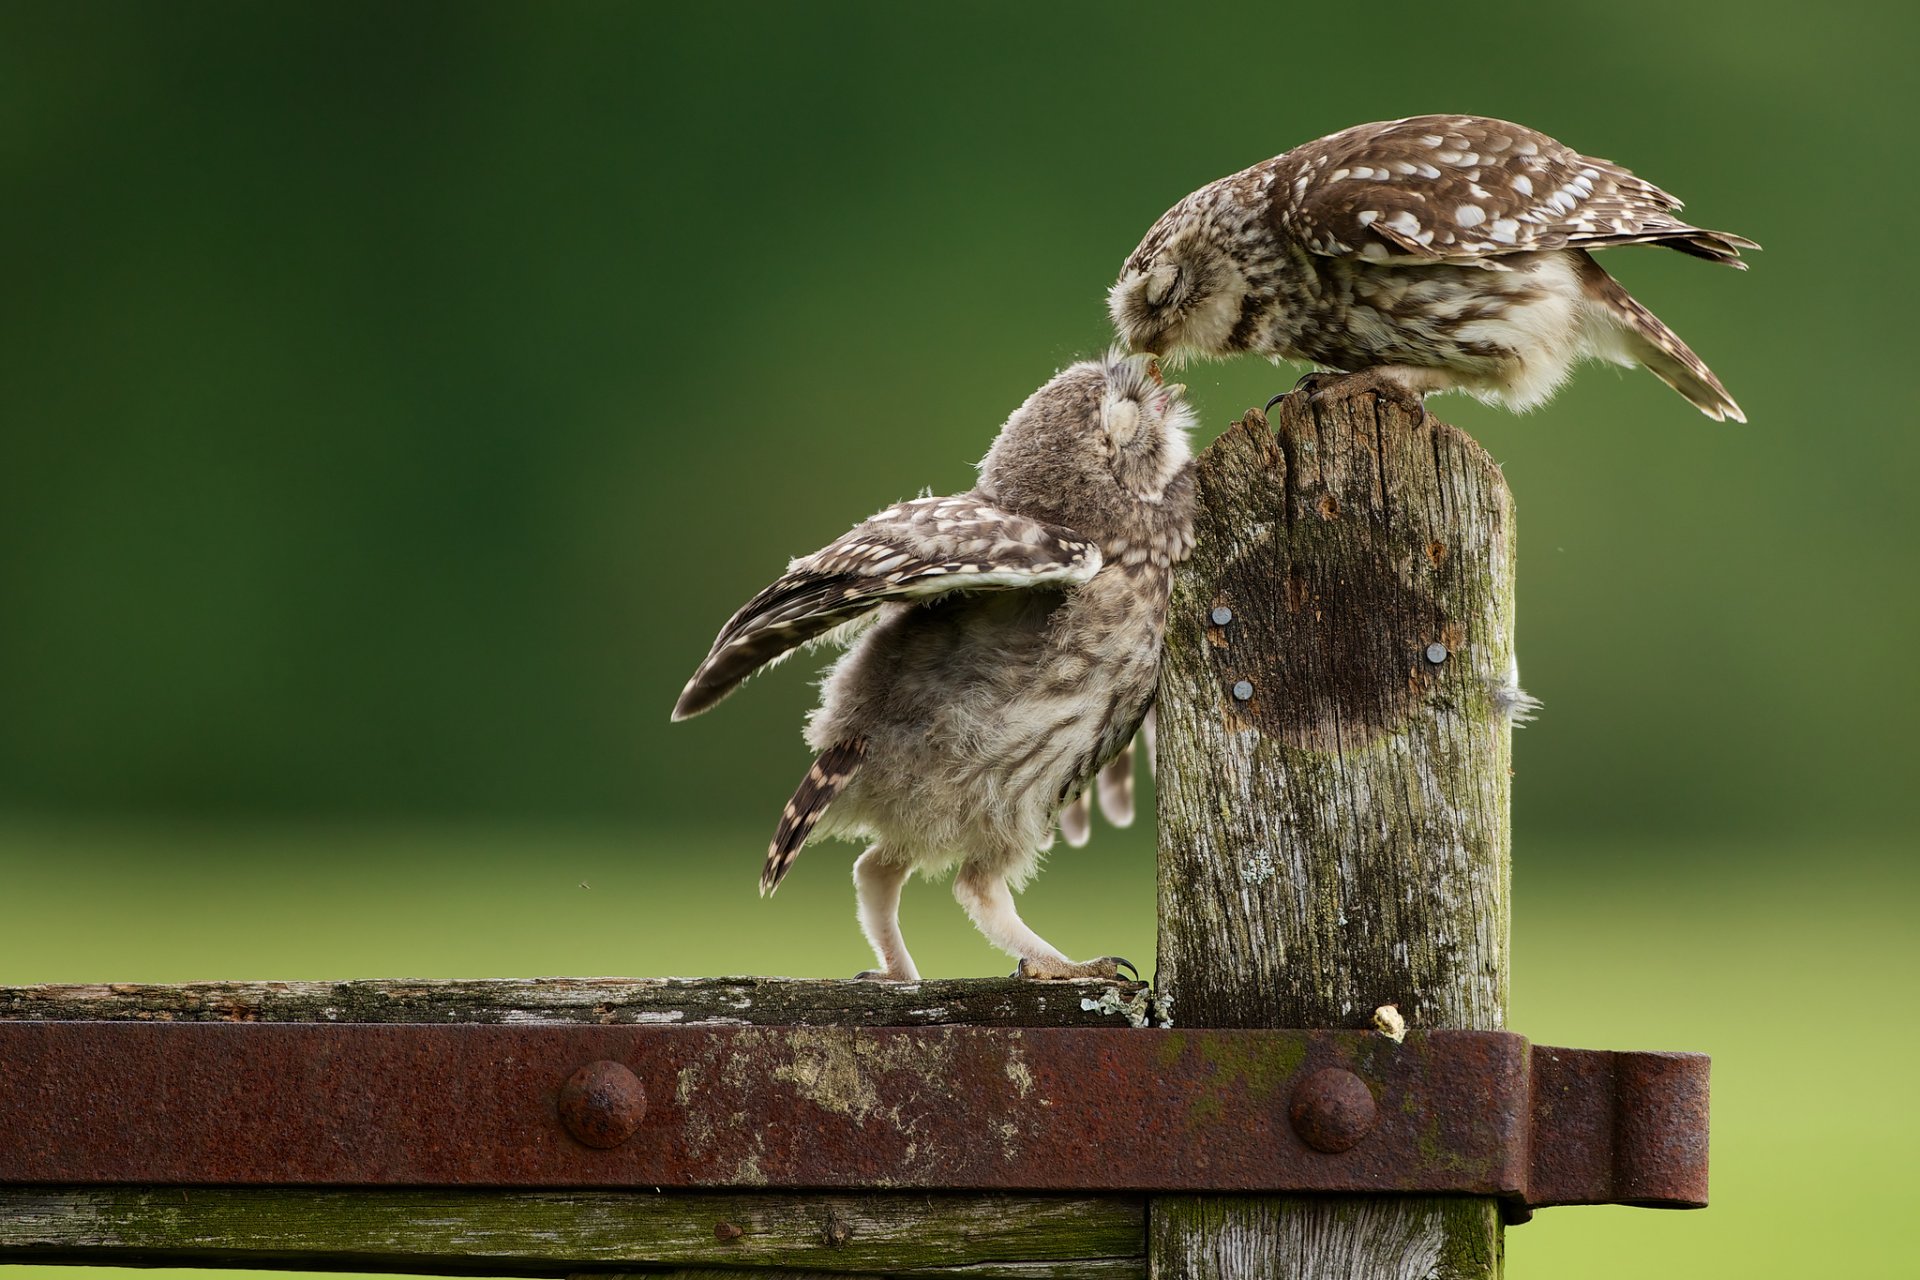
(1722, 247)
(824, 781)
(1659, 349)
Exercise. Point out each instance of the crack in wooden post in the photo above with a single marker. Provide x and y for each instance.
(1334, 788)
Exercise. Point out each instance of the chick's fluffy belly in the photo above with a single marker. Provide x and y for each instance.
(981, 718)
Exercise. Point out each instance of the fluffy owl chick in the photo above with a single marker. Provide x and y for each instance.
(1004, 648)
(1434, 253)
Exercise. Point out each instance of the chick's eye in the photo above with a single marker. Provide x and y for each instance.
(1161, 283)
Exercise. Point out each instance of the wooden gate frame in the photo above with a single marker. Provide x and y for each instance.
(1335, 740)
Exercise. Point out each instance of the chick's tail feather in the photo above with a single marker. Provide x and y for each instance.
(827, 778)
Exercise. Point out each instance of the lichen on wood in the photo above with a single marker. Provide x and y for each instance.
(1005, 1002)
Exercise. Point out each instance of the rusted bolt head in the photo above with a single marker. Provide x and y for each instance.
(1332, 1109)
(602, 1104)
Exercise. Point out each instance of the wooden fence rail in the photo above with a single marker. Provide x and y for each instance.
(991, 1237)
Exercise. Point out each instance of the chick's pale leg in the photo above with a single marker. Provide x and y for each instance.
(877, 880)
(989, 904)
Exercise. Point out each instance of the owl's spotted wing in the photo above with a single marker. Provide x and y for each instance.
(1468, 189)
(912, 550)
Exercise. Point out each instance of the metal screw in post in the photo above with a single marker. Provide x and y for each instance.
(1436, 653)
(1221, 615)
(1242, 690)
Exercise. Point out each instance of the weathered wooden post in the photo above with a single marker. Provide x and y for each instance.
(1335, 733)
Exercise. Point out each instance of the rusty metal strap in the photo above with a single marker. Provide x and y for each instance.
(934, 1108)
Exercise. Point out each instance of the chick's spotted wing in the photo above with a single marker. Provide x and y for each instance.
(912, 550)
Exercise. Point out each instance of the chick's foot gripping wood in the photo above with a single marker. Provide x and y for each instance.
(989, 904)
(1107, 967)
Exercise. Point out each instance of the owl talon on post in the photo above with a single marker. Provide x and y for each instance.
(1380, 382)
(1311, 383)
(1321, 387)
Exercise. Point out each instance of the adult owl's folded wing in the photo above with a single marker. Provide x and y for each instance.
(1468, 189)
(912, 550)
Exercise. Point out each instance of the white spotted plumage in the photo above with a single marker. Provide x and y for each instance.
(1439, 252)
(1011, 652)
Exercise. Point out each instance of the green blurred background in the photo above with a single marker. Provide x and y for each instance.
(395, 398)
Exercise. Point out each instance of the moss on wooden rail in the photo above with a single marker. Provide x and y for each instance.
(986, 1237)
